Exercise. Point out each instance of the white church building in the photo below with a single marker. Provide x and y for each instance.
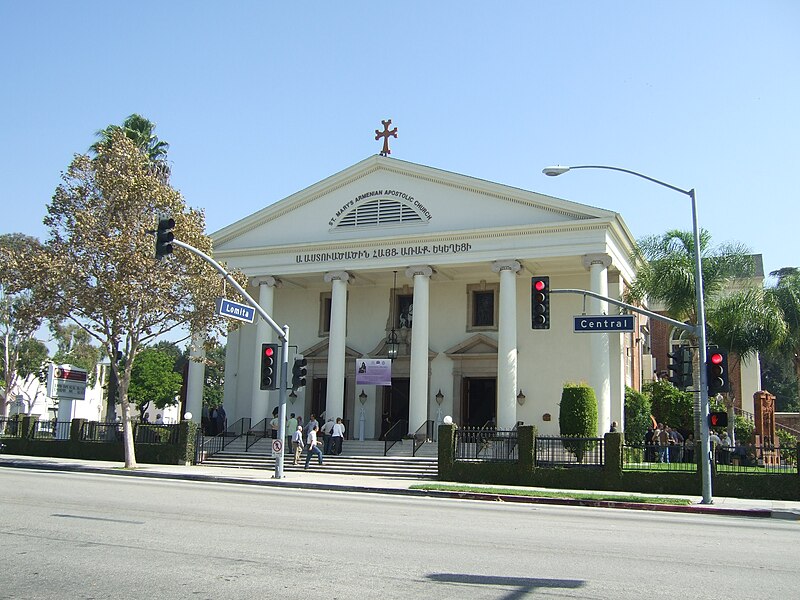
(441, 262)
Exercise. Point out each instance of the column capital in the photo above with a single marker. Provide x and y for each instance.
(594, 259)
(337, 276)
(506, 265)
(269, 280)
(419, 270)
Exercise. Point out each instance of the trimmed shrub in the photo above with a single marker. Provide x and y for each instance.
(577, 417)
(670, 405)
(637, 415)
(744, 429)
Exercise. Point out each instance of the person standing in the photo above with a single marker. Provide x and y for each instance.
(274, 424)
(291, 425)
(311, 441)
(297, 443)
(337, 433)
(312, 422)
(221, 419)
(327, 430)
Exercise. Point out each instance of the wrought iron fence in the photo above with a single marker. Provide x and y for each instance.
(570, 452)
(750, 458)
(94, 431)
(9, 427)
(51, 430)
(652, 457)
(147, 433)
(483, 444)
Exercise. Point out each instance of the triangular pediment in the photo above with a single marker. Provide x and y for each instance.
(387, 198)
(320, 351)
(478, 345)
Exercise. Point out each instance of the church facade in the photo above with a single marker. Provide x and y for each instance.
(390, 257)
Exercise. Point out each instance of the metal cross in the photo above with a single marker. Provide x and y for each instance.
(385, 135)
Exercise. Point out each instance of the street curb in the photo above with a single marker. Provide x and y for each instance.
(457, 495)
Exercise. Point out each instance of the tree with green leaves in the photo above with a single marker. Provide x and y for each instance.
(786, 295)
(154, 380)
(637, 415)
(665, 275)
(577, 417)
(21, 311)
(99, 267)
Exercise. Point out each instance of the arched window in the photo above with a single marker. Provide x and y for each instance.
(381, 211)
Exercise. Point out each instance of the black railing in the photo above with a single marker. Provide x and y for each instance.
(569, 452)
(151, 433)
(217, 443)
(649, 457)
(258, 432)
(423, 435)
(749, 458)
(9, 427)
(485, 444)
(395, 433)
(93, 431)
(51, 430)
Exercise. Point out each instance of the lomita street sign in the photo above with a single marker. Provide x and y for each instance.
(235, 310)
(603, 323)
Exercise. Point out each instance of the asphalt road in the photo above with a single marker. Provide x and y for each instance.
(72, 535)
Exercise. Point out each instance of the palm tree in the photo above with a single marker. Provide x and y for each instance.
(665, 275)
(141, 132)
(786, 295)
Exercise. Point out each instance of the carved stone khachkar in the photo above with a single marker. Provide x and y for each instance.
(764, 407)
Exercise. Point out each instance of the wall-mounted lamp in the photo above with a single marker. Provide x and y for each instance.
(439, 397)
(520, 398)
(292, 396)
(362, 397)
(392, 343)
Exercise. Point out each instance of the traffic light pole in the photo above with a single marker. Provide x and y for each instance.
(283, 334)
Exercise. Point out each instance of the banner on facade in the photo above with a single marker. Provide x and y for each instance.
(373, 371)
(66, 381)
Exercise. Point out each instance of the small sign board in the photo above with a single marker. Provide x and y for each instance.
(373, 371)
(66, 381)
(603, 323)
(235, 310)
(277, 447)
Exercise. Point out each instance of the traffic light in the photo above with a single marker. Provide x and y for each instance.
(540, 303)
(718, 419)
(717, 370)
(299, 373)
(164, 237)
(269, 375)
(680, 366)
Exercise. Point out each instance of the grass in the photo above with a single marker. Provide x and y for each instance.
(443, 487)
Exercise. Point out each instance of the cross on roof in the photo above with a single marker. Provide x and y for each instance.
(385, 135)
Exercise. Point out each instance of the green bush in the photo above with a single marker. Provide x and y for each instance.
(637, 415)
(788, 446)
(744, 429)
(577, 417)
(670, 405)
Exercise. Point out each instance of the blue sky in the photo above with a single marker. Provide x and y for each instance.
(261, 99)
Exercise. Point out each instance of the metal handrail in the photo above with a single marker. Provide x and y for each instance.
(751, 417)
(400, 426)
(425, 436)
(258, 432)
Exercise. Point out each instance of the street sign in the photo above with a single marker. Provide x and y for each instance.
(603, 323)
(277, 447)
(235, 310)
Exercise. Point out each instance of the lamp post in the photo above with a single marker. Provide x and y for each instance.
(700, 327)
(362, 418)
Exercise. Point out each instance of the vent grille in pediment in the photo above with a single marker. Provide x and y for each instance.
(382, 211)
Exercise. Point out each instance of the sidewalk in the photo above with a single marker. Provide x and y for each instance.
(316, 478)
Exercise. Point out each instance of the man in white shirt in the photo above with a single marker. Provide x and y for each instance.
(297, 443)
(312, 446)
(337, 434)
(327, 429)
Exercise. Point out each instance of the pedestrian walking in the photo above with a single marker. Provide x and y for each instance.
(297, 443)
(311, 442)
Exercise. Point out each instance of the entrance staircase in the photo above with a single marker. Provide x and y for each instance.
(357, 458)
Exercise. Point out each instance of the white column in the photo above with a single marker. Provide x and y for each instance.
(618, 362)
(337, 338)
(261, 401)
(600, 371)
(507, 344)
(418, 385)
(195, 379)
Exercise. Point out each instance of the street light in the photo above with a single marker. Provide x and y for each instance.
(700, 327)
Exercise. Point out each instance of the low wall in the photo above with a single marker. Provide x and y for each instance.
(611, 477)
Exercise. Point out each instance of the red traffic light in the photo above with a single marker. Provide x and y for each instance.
(718, 419)
(269, 351)
(716, 358)
(539, 285)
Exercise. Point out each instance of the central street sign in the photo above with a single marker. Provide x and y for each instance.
(235, 310)
(603, 323)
